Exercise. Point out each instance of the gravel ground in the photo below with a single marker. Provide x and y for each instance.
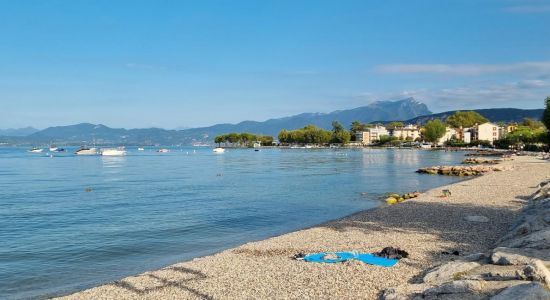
(425, 227)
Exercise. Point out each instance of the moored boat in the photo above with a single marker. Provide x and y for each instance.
(163, 150)
(86, 151)
(218, 150)
(113, 151)
(141, 149)
(36, 150)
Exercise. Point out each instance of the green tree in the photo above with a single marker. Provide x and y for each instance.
(546, 115)
(310, 134)
(532, 123)
(434, 130)
(465, 119)
(219, 139)
(339, 134)
(394, 125)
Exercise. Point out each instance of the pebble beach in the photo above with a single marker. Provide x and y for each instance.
(430, 228)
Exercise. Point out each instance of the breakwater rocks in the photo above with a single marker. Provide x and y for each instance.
(501, 153)
(478, 161)
(516, 269)
(459, 170)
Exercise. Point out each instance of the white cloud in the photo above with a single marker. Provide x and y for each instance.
(467, 69)
(525, 93)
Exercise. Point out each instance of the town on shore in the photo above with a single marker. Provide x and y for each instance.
(462, 129)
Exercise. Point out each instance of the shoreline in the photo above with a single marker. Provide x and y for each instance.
(424, 227)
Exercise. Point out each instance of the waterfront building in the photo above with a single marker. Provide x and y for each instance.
(409, 132)
(371, 135)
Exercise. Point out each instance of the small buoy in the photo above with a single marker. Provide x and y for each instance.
(88, 189)
(219, 174)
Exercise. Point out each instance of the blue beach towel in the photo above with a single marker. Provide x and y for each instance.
(343, 256)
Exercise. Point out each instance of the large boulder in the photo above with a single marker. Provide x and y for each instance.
(527, 291)
(518, 256)
(449, 271)
(536, 240)
(460, 288)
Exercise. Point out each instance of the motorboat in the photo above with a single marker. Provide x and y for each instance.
(113, 151)
(53, 149)
(141, 149)
(426, 146)
(218, 150)
(36, 150)
(86, 151)
(163, 150)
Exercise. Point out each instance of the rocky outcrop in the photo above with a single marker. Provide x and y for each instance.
(460, 170)
(478, 160)
(491, 153)
(516, 269)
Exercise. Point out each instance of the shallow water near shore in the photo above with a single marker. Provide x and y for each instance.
(68, 222)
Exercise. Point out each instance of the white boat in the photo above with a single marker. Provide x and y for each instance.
(36, 150)
(113, 151)
(426, 145)
(53, 149)
(86, 151)
(141, 149)
(218, 150)
(163, 150)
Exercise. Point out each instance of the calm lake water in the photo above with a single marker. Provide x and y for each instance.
(148, 209)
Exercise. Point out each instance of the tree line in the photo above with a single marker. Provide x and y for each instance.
(312, 134)
(243, 139)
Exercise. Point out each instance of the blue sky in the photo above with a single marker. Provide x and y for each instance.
(193, 63)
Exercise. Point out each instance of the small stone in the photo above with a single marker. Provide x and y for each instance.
(391, 200)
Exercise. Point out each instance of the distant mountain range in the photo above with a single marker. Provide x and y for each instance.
(18, 131)
(408, 109)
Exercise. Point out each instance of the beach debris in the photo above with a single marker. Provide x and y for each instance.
(88, 189)
(392, 253)
(298, 256)
(479, 219)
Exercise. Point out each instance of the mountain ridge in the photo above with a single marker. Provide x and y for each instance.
(409, 110)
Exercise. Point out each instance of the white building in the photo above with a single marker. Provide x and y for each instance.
(411, 132)
(486, 132)
(450, 133)
(370, 135)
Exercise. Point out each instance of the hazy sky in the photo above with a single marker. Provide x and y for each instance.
(193, 63)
